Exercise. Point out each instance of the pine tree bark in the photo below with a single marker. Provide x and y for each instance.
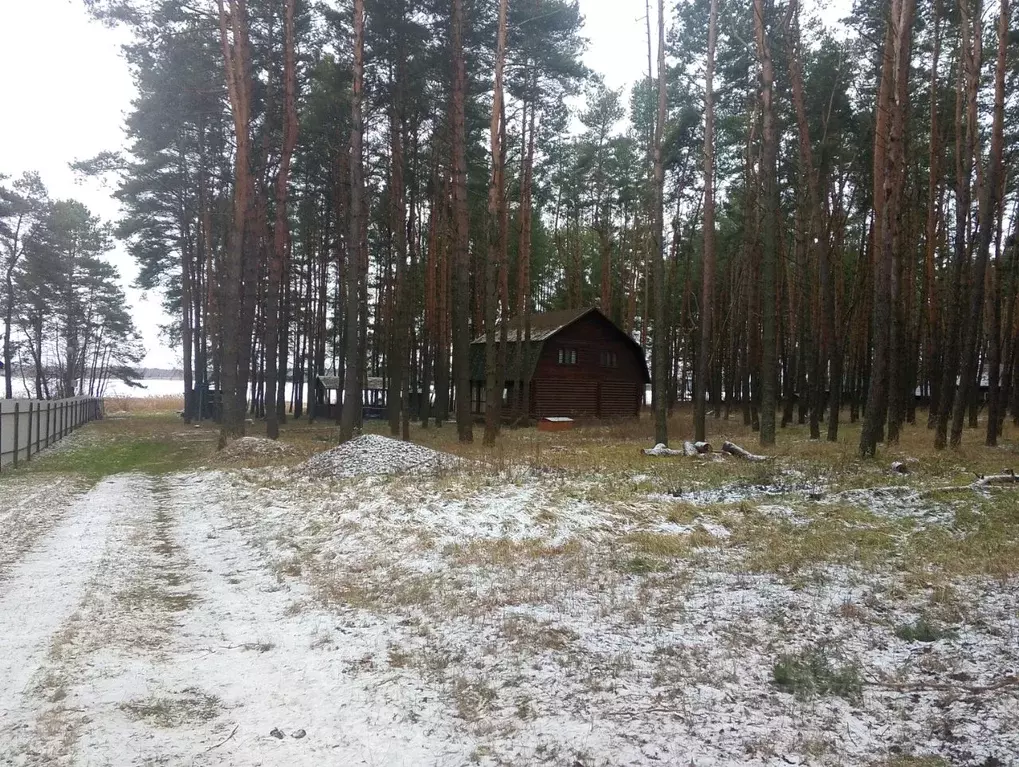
(399, 318)
(659, 394)
(233, 27)
(990, 207)
(888, 179)
(496, 244)
(985, 229)
(708, 271)
(461, 235)
(353, 379)
(769, 235)
(281, 228)
(521, 382)
(930, 297)
(963, 173)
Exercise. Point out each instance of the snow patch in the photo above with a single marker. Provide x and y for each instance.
(252, 447)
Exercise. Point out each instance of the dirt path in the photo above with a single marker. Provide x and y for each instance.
(143, 630)
(42, 591)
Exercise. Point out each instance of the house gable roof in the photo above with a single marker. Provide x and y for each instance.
(543, 327)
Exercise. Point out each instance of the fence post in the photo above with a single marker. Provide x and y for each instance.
(2, 433)
(17, 418)
(38, 426)
(49, 407)
(28, 439)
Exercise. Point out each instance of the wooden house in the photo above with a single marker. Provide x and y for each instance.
(578, 364)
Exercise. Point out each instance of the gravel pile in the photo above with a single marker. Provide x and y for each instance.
(255, 447)
(375, 454)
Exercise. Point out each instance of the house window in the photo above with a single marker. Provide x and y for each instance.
(609, 360)
(567, 356)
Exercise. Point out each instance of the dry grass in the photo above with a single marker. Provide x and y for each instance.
(166, 403)
(616, 447)
(189, 707)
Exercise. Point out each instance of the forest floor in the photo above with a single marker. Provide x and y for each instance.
(561, 600)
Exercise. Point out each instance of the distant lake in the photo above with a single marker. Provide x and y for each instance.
(154, 387)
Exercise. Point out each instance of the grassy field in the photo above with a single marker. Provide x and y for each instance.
(569, 600)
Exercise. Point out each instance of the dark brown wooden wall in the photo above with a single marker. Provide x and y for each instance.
(587, 389)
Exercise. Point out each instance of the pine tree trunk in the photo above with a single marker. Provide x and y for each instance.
(708, 272)
(399, 319)
(991, 208)
(233, 335)
(769, 235)
(658, 351)
(281, 228)
(353, 379)
(496, 245)
(969, 375)
(461, 253)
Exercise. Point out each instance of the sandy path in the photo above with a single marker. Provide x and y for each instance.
(42, 591)
(31, 506)
(145, 630)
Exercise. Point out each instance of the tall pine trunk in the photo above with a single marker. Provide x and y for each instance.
(659, 395)
(769, 235)
(708, 271)
(461, 308)
(233, 24)
(281, 228)
(353, 379)
(496, 245)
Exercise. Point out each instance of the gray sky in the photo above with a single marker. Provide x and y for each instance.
(66, 90)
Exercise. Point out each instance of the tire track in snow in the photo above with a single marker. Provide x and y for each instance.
(32, 505)
(42, 592)
(270, 665)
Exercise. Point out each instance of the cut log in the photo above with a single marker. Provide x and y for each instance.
(900, 467)
(735, 450)
(1008, 478)
(690, 449)
(703, 447)
(661, 451)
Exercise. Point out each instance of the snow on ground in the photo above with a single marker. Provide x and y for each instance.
(28, 510)
(40, 595)
(373, 454)
(469, 616)
(253, 447)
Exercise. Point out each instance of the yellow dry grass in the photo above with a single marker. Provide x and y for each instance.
(167, 403)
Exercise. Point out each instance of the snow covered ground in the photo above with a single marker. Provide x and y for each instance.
(273, 617)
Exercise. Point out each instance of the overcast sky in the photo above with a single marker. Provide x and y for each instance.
(66, 91)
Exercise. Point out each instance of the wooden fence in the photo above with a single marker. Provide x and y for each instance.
(30, 425)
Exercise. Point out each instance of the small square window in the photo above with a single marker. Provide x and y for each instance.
(609, 360)
(567, 356)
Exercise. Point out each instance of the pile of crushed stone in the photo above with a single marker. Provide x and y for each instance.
(255, 447)
(375, 454)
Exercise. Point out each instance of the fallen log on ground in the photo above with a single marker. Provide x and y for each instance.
(735, 450)
(982, 482)
(661, 451)
(1008, 478)
(703, 447)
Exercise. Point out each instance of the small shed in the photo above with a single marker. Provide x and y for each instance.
(579, 364)
(329, 395)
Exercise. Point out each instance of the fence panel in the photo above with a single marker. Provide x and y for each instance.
(28, 426)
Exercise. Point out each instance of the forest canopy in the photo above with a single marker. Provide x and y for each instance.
(67, 328)
(796, 220)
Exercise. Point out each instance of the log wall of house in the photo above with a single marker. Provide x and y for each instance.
(589, 388)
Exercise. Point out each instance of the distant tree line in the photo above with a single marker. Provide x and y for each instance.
(802, 222)
(67, 330)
